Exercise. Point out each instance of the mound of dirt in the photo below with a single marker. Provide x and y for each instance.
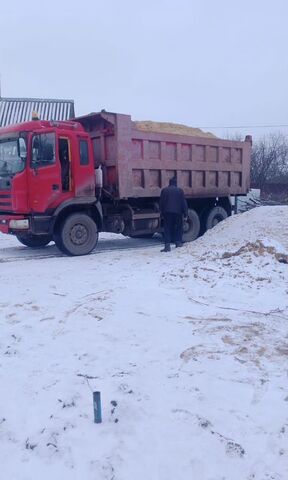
(164, 127)
(263, 229)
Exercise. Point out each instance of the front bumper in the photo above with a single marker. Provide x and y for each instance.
(14, 223)
(34, 224)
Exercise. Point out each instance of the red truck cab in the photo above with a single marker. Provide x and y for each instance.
(39, 162)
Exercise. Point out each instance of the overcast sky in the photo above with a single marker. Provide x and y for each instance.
(201, 63)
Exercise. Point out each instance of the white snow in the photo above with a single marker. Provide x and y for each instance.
(192, 345)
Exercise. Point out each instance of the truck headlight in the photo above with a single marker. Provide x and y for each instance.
(19, 224)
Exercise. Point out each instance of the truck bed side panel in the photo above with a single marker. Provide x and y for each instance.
(140, 164)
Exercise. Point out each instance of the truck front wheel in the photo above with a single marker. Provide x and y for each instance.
(191, 226)
(77, 235)
(34, 241)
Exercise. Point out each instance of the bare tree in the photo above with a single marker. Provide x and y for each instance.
(269, 160)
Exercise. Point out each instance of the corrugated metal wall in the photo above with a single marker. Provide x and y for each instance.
(17, 110)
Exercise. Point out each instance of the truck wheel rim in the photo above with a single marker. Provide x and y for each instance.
(186, 226)
(79, 234)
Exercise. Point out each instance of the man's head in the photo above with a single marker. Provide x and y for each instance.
(173, 181)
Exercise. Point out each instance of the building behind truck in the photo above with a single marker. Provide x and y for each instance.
(49, 189)
(19, 110)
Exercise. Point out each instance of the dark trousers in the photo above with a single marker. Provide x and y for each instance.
(173, 227)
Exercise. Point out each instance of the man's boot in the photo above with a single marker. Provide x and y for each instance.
(167, 248)
(179, 244)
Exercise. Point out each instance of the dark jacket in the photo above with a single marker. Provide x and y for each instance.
(172, 200)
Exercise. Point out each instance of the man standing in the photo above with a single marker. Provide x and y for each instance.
(172, 207)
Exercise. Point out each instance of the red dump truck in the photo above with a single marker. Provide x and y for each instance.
(68, 181)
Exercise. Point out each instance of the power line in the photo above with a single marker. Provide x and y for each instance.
(248, 126)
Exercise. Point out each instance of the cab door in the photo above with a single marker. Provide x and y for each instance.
(85, 174)
(44, 173)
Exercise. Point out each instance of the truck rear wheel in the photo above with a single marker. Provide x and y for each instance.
(214, 216)
(77, 235)
(191, 227)
(34, 241)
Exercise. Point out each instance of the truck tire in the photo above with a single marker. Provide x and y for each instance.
(191, 227)
(34, 241)
(214, 216)
(77, 235)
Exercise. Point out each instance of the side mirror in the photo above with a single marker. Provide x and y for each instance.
(35, 165)
(21, 148)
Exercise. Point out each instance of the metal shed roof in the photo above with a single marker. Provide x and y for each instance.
(17, 110)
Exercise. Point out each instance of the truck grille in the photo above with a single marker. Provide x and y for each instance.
(5, 201)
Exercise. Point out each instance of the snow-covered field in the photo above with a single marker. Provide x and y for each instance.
(189, 350)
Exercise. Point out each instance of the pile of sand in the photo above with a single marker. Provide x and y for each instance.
(164, 127)
(258, 248)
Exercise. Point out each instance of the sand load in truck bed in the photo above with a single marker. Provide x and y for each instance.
(165, 127)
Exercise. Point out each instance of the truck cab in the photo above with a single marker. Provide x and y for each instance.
(46, 172)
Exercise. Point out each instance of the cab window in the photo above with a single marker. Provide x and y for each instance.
(64, 157)
(84, 156)
(43, 150)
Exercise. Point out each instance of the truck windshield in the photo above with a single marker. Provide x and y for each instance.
(13, 154)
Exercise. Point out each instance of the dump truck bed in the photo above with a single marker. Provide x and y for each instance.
(139, 163)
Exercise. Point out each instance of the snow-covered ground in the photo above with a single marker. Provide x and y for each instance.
(189, 350)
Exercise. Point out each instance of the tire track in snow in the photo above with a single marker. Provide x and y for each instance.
(100, 249)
